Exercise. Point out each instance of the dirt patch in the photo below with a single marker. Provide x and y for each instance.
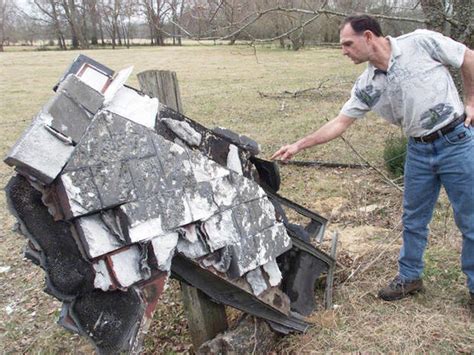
(358, 240)
(332, 206)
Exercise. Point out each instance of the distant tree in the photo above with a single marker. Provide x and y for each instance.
(94, 18)
(7, 18)
(128, 11)
(72, 11)
(110, 11)
(53, 13)
(177, 8)
(156, 12)
(3, 19)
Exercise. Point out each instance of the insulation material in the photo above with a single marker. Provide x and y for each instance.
(184, 131)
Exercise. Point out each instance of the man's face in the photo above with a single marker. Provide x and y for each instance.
(354, 45)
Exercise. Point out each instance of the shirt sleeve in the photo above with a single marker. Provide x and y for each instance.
(355, 107)
(442, 49)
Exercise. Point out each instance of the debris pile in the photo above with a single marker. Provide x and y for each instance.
(116, 191)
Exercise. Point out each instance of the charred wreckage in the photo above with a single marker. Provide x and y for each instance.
(116, 192)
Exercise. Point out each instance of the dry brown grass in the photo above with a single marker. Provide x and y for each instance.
(220, 87)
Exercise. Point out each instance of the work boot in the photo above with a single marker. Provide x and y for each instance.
(470, 303)
(398, 289)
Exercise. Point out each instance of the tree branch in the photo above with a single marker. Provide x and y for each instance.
(254, 17)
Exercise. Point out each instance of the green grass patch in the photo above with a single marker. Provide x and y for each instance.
(442, 268)
(394, 154)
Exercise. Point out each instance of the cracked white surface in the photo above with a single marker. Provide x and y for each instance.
(163, 248)
(125, 265)
(97, 236)
(102, 278)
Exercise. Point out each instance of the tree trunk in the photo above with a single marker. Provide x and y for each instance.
(76, 31)
(460, 31)
(94, 21)
(463, 13)
(74, 40)
(57, 26)
(3, 9)
(434, 13)
(101, 31)
(119, 36)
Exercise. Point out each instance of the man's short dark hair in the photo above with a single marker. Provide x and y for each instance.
(361, 23)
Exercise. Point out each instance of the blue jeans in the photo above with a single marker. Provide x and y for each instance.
(448, 161)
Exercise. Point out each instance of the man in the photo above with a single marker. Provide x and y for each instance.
(407, 83)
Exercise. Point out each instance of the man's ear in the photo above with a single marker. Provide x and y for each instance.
(368, 35)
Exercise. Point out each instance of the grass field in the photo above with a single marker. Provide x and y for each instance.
(220, 86)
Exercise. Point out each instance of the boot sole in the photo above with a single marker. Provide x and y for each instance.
(399, 297)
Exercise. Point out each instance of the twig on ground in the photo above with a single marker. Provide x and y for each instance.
(292, 94)
(255, 335)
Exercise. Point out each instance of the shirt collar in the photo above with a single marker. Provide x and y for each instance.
(395, 53)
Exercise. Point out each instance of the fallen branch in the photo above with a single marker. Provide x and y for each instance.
(292, 94)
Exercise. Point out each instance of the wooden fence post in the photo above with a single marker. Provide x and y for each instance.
(206, 318)
(162, 84)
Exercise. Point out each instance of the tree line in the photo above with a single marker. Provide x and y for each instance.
(82, 24)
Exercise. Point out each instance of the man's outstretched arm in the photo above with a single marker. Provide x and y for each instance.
(326, 133)
(467, 71)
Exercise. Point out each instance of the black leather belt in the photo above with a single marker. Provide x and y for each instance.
(442, 131)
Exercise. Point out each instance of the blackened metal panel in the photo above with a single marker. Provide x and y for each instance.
(224, 292)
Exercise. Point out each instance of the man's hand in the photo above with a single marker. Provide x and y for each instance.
(469, 116)
(467, 73)
(329, 131)
(286, 152)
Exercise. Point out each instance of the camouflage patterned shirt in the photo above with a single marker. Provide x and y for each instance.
(417, 92)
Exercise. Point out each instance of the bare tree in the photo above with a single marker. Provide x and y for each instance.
(177, 8)
(156, 12)
(288, 19)
(72, 11)
(110, 11)
(290, 22)
(52, 12)
(129, 9)
(4, 9)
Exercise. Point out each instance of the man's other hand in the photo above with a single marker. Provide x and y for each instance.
(469, 116)
(285, 153)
